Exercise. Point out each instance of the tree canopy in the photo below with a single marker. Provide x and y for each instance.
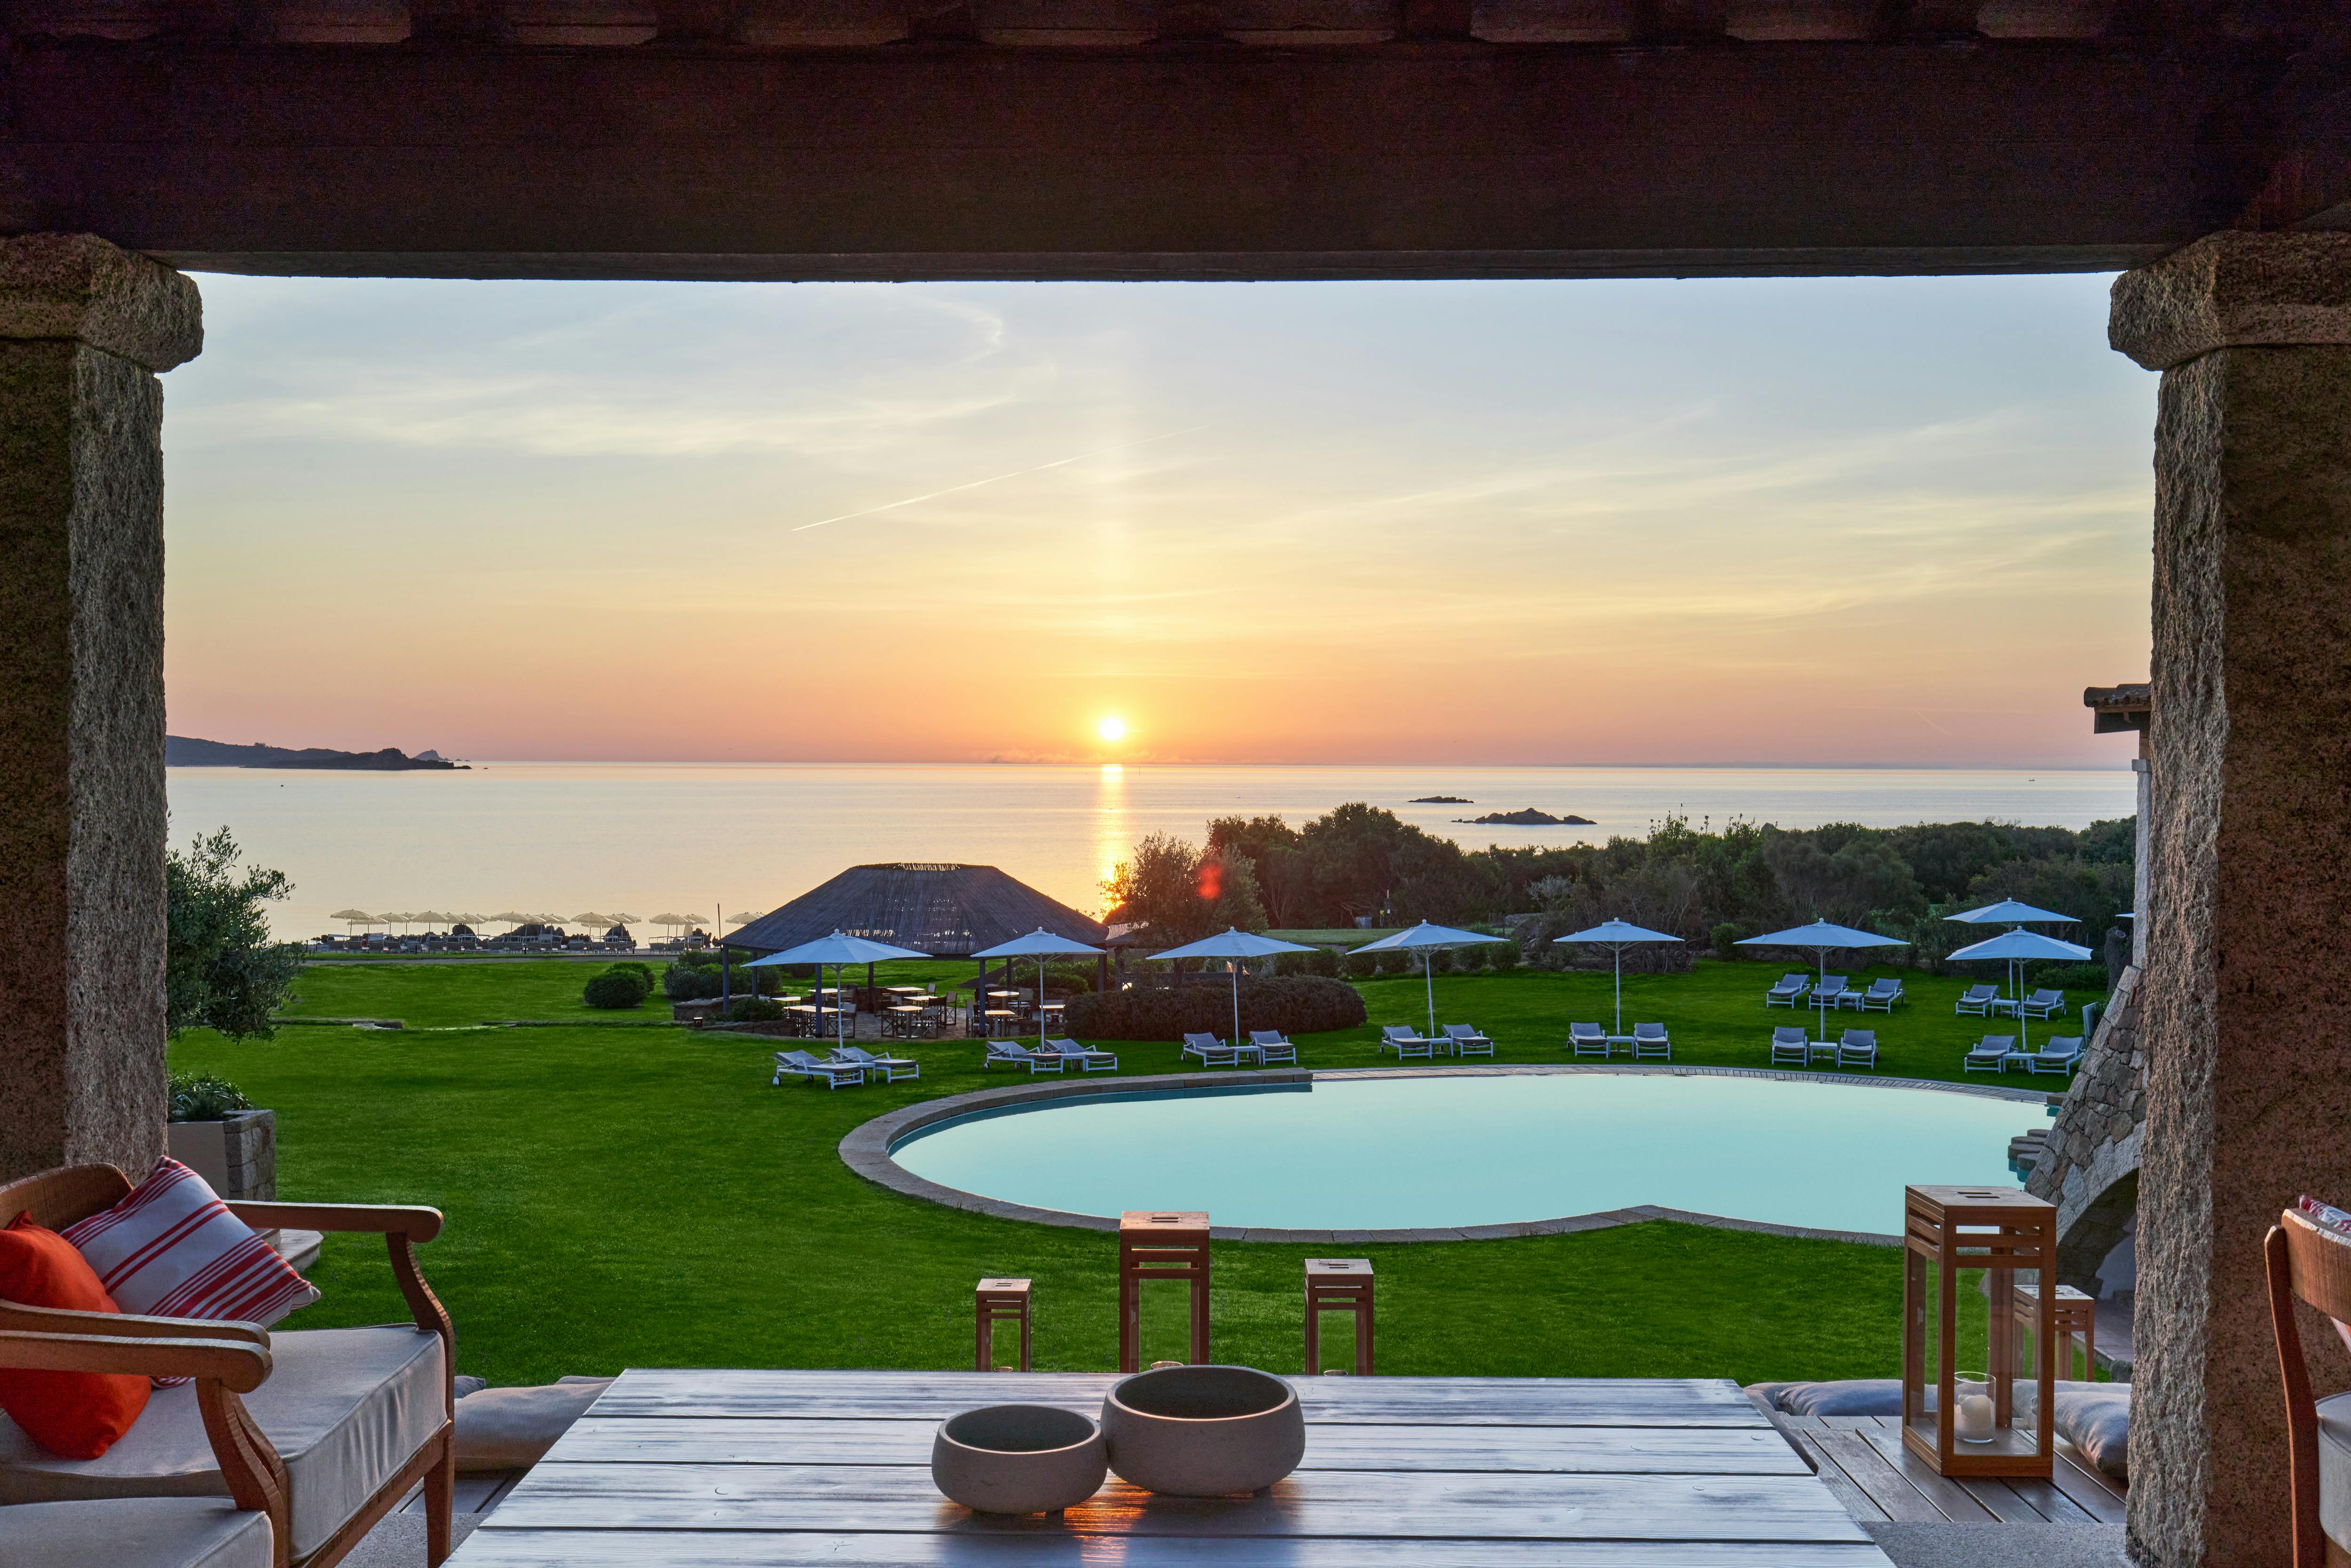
(221, 969)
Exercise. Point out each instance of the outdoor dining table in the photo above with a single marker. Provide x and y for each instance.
(996, 1015)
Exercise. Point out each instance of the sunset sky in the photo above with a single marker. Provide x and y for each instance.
(1803, 521)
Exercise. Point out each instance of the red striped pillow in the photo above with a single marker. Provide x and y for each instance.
(172, 1249)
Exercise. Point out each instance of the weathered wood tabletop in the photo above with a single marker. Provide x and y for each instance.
(787, 1469)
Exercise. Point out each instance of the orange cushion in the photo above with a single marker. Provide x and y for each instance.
(77, 1415)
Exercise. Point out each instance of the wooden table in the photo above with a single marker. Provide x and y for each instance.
(786, 1470)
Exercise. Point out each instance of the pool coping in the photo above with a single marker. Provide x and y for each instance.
(865, 1149)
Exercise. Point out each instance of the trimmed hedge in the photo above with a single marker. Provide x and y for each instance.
(753, 1009)
(1295, 1004)
(615, 988)
(688, 983)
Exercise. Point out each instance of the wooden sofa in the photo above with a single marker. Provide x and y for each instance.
(323, 1430)
(2309, 1263)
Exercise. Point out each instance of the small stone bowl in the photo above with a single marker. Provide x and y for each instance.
(1017, 1458)
(1204, 1431)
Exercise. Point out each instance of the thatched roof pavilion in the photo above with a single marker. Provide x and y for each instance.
(941, 909)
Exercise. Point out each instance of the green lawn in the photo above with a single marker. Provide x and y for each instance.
(641, 1197)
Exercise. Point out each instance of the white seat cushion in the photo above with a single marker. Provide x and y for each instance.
(2335, 1468)
(134, 1532)
(344, 1408)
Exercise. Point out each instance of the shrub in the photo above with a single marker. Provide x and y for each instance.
(1396, 962)
(1296, 1004)
(615, 988)
(631, 967)
(1724, 938)
(202, 1097)
(753, 1009)
(689, 982)
(1360, 965)
(1505, 956)
(1469, 961)
(2089, 977)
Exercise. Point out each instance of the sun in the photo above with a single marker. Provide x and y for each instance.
(1113, 728)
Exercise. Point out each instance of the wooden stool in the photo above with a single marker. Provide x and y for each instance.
(2073, 1313)
(1339, 1285)
(995, 1301)
(1160, 1246)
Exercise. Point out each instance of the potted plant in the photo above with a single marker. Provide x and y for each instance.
(216, 1132)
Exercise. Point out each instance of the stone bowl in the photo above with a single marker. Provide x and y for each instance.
(1204, 1431)
(1017, 1458)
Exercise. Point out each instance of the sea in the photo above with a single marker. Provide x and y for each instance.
(723, 842)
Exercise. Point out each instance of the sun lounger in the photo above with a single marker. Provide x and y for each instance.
(800, 1064)
(889, 1068)
(1977, 1000)
(1789, 1048)
(1650, 1039)
(1587, 1039)
(1992, 1055)
(1788, 992)
(1088, 1060)
(1857, 1048)
(2061, 1055)
(1880, 997)
(1404, 1042)
(1012, 1053)
(1212, 1051)
(1830, 990)
(1467, 1042)
(1270, 1046)
(2041, 1004)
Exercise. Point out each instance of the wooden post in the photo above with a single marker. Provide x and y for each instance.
(1339, 1285)
(994, 1301)
(1159, 1244)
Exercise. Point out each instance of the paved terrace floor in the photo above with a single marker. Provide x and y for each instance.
(786, 1468)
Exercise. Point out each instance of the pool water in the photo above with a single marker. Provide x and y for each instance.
(1377, 1153)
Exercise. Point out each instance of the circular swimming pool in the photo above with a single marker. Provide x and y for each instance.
(1440, 1151)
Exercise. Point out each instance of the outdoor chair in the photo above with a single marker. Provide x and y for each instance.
(1587, 1039)
(2041, 1004)
(1880, 997)
(1857, 1048)
(1395, 1036)
(1012, 1053)
(1788, 992)
(2061, 1055)
(324, 1431)
(1830, 990)
(1467, 1042)
(890, 1067)
(1991, 1054)
(1087, 1059)
(800, 1064)
(1270, 1046)
(2310, 1260)
(1977, 1000)
(1212, 1051)
(1650, 1039)
(1789, 1047)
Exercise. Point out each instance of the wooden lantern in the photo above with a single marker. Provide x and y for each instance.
(2003, 1232)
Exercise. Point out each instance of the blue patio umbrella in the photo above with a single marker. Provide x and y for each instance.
(1616, 935)
(1232, 943)
(1428, 940)
(2013, 915)
(2018, 948)
(1039, 944)
(837, 950)
(1822, 938)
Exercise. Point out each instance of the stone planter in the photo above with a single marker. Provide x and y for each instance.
(238, 1156)
(1204, 1431)
(1017, 1458)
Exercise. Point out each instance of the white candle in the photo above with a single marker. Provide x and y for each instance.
(1972, 1414)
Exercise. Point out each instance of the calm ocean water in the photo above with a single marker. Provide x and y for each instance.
(647, 838)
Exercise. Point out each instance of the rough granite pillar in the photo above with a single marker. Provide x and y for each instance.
(2248, 998)
(84, 328)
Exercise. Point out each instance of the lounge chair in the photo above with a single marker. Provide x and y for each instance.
(1650, 1039)
(1587, 1039)
(800, 1064)
(1880, 997)
(1212, 1051)
(2060, 1055)
(1788, 992)
(1270, 1046)
(1831, 990)
(1395, 1036)
(1467, 1042)
(1789, 1047)
(2041, 1004)
(889, 1068)
(1977, 1000)
(1991, 1054)
(1012, 1053)
(1087, 1059)
(1857, 1048)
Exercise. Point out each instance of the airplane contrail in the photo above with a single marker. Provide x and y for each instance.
(997, 478)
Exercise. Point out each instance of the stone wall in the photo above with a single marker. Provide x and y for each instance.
(2089, 1167)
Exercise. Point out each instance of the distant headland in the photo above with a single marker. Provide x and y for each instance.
(1530, 818)
(186, 751)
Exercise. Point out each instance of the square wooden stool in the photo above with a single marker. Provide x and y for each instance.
(1160, 1244)
(998, 1301)
(2073, 1313)
(1339, 1285)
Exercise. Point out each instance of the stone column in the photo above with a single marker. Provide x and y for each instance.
(84, 328)
(2248, 997)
